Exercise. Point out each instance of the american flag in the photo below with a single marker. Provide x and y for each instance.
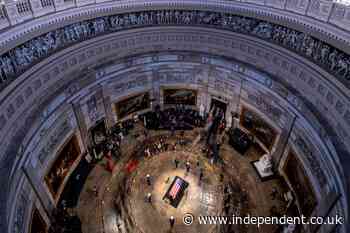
(176, 188)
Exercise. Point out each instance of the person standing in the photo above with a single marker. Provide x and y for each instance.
(95, 191)
(172, 221)
(188, 166)
(148, 179)
(221, 177)
(149, 197)
(176, 161)
(159, 147)
(119, 227)
(201, 174)
(147, 152)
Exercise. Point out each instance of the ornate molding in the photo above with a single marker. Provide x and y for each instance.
(310, 156)
(16, 61)
(297, 14)
(55, 137)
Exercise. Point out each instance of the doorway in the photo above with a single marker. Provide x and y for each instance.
(98, 132)
(38, 223)
(218, 105)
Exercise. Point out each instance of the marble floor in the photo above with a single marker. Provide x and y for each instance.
(120, 204)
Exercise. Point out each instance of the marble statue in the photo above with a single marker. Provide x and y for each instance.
(266, 162)
(201, 110)
(264, 166)
(336, 62)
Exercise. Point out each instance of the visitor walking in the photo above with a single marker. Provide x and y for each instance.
(148, 179)
(188, 166)
(176, 161)
(172, 221)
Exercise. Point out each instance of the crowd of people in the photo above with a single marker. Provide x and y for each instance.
(179, 117)
(64, 222)
(175, 119)
(107, 143)
(156, 145)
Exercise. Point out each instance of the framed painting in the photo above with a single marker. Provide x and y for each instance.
(132, 104)
(256, 125)
(180, 96)
(62, 165)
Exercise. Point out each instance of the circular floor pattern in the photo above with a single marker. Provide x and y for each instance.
(201, 197)
(121, 205)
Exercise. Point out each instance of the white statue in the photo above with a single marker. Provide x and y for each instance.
(266, 162)
(264, 166)
(229, 122)
(201, 111)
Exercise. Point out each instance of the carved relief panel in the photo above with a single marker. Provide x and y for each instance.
(56, 127)
(21, 208)
(313, 158)
(341, 16)
(265, 102)
(298, 6)
(320, 9)
(93, 109)
(276, 3)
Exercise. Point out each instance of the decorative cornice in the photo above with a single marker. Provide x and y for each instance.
(326, 30)
(14, 62)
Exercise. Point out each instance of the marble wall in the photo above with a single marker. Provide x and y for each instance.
(239, 87)
(91, 95)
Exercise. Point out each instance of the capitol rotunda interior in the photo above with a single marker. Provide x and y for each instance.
(180, 116)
